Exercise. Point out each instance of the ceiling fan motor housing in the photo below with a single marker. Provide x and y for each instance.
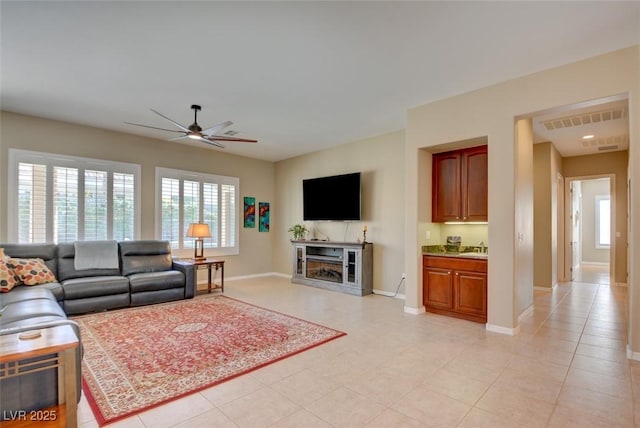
(194, 127)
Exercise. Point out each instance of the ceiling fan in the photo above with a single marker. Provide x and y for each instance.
(195, 132)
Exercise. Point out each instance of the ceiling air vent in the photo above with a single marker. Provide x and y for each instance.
(605, 148)
(605, 143)
(230, 133)
(586, 118)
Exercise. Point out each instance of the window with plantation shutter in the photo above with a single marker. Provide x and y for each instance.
(189, 197)
(56, 198)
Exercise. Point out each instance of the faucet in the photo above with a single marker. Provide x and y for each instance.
(483, 248)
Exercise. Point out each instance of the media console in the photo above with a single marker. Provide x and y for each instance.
(339, 266)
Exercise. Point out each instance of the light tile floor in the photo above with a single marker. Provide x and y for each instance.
(567, 367)
(594, 274)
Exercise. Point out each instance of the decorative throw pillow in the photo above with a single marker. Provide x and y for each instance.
(7, 277)
(32, 271)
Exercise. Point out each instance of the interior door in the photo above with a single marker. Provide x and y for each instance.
(575, 228)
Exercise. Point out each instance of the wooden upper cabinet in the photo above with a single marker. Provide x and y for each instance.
(460, 185)
(474, 184)
(446, 194)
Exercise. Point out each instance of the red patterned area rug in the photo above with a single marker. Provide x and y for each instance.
(139, 358)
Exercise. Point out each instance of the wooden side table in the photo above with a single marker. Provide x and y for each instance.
(211, 264)
(59, 340)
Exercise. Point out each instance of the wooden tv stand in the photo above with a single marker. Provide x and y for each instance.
(339, 266)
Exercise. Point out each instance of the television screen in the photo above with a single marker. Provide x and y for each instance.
(332, 198)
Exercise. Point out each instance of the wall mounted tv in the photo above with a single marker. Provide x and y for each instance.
(331, 198)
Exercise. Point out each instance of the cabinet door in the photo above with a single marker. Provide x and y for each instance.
(470, 293)
(299, 261)
(352, 267)
(437, 288)
(474, 184)
(446, 202)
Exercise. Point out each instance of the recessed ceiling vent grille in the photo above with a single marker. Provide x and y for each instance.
(603, 143)
(605, 148)
(231, 133)
(586, 118)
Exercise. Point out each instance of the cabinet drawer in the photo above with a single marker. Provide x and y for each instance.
(455, 263)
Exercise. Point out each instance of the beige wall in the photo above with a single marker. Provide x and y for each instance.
(256, 177)
(602, 164)
(547, 164)
(491, 112)
(523, 246)
(380, 160)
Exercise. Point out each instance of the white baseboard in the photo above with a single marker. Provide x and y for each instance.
(539, 288)
(502, 330)
(525, 314)
(414, 311)
(635, 356)
(389, 294)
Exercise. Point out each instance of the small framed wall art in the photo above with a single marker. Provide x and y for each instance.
(249, 212)
(263, 219)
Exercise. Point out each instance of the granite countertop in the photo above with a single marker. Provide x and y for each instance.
(454, 251)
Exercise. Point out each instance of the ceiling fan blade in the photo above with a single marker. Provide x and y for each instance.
(217, 128)
(170, 120)
(231, 139)
(213, 143)
(152, 127)
(181, 137)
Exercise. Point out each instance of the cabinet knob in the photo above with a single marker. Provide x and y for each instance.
(464, 218)
(457, 274)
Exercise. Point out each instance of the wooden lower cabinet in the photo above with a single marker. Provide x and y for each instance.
(456, 287)
(439, 294)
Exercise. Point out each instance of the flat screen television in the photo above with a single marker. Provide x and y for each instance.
(331, 198)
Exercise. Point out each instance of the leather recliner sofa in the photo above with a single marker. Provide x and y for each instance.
(146, 274)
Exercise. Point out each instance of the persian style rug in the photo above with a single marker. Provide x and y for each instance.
(138, 358)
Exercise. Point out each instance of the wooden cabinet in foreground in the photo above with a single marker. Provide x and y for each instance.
(456, 287)
(460, 184)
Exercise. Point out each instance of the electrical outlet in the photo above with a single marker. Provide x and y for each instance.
(404, 276)
(427, 234)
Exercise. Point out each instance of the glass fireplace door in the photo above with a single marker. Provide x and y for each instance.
(325, 268)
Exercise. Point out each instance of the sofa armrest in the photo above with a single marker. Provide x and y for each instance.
(189, 271)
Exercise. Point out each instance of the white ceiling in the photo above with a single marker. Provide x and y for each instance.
(297, 76)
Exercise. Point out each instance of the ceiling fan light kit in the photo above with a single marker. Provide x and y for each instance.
(195, 132)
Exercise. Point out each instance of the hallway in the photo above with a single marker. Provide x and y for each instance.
(584, 325)
(593, 274)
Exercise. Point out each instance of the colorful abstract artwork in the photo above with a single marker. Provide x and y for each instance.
(249, 212)
(263, 209)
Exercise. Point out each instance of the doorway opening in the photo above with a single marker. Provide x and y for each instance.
(590, 229)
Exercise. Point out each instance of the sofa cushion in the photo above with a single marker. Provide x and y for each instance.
(7, 275)
(145, 256)
(22, 293)
(152, 281)
(81, 288)
(32, 271)
(31, 310)
(66, 265)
